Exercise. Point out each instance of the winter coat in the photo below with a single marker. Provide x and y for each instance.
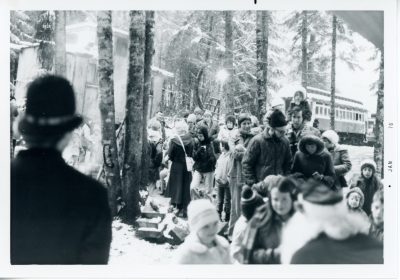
(204, 158)
(368, 187)
(357, 249)
(304, 164)
(58, 215)
(178, 187)
(341, 164)
(224, 164)
(266, 155)
(267, 237)
(305, 108)
(295, 135)
(192, 251)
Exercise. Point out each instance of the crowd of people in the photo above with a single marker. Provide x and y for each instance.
(280, 185)
(262, 178)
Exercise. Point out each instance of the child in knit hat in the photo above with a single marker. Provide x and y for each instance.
(376, 218)
(355, 201)
(203, 245)
(249, 202)
(368, 182)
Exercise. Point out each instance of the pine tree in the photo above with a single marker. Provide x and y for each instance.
(60, 61)
(262, 60)
(227, 103)
(107, 107)
(132, 172)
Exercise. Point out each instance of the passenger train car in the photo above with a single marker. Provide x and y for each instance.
(351, 116)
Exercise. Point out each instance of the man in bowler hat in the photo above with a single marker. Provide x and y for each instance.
(58, 215)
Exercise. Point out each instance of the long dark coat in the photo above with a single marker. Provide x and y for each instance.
(178, 187)
(58, 215)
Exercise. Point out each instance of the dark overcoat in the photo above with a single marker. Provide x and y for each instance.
(58, 215)
(178, 187)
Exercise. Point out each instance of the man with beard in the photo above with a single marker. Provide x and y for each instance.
(324, 231)
(298, 128)
(268, 153)
(236, 181)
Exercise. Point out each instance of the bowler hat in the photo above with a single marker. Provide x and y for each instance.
(50, 108)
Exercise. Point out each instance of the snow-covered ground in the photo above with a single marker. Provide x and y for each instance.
(128, 249)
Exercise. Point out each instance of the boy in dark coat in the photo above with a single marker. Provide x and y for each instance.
(58, 215)
(368, 182)
(313, 161)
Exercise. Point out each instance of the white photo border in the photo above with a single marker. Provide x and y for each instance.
(391, 31)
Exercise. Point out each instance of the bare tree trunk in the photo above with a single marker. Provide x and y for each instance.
(304, 62)
(132, 172)
(202, 69)
(262, 60)
(107, 110)
(60, 62)
(148, 58)
(228, 102)
(333, 72)
(379, 125)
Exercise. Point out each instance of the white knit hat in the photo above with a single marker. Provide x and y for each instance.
(332, 136)
(201, 212)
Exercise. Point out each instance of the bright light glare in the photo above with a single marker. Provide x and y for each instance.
(222, 75)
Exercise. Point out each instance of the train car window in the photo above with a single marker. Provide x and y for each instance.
(356, 116)
(325, 111)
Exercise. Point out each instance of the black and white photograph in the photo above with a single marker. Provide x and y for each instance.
(252, 138)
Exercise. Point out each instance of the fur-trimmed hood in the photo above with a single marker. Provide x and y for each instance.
(311, 139)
